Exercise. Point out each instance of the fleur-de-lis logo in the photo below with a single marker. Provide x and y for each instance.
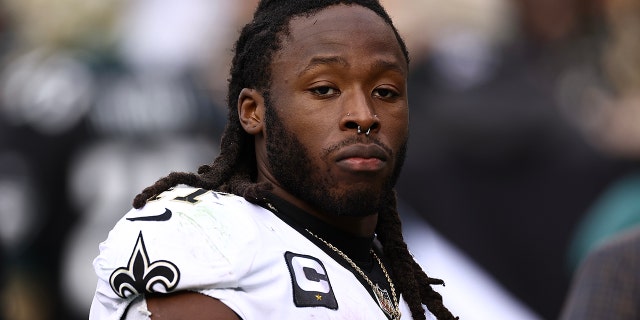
(140, 275)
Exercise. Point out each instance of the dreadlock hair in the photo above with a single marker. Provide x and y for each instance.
(235, 169)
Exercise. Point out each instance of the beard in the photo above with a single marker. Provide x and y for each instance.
(292, 166)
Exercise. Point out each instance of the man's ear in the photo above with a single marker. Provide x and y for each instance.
(251, 111)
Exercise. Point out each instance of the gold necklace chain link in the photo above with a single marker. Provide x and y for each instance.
(395, 313)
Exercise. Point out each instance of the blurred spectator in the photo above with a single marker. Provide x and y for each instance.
(31, 188)
(615, 210)
(610, 121)
(496, 163)
(607, 284)
(96, 100)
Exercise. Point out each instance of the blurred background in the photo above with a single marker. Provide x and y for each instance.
(524, 150)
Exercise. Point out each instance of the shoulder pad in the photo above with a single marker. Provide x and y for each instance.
(176, 237)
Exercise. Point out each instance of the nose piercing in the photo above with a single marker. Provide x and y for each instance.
(366, 133)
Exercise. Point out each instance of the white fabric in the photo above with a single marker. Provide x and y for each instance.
(229, 249)
(138, 310)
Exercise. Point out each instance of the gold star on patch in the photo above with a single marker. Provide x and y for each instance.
(318, 297)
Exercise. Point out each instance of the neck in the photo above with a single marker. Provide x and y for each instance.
(363, 226)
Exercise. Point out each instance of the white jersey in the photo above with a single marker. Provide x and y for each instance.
(227, 248)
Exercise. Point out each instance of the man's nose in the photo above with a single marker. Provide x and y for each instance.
(360, 114)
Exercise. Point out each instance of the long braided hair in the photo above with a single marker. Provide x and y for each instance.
(234, 170)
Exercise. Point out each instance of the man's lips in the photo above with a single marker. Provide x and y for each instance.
(361, 157)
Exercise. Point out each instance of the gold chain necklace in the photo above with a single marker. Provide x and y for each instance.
(390, 307)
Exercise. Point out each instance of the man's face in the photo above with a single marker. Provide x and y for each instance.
(337, 69)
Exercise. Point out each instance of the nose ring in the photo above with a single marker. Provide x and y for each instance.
(366, 133)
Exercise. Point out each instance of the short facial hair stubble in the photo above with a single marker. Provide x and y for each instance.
(293, 168)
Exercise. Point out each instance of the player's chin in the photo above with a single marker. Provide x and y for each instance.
(359, 200)
(363, 179)
(359, 187)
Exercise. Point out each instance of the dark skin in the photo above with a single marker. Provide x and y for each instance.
(188, 306)
(338, 69)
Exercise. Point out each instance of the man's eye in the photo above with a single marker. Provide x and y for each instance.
(385, 93)
(324, 90)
